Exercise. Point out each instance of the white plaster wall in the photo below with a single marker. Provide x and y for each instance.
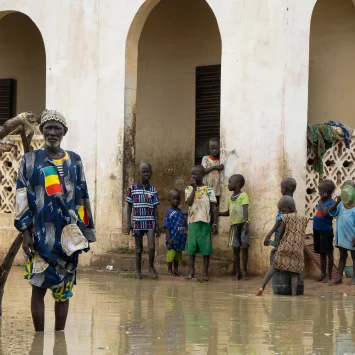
(263, 104)
(70, 35)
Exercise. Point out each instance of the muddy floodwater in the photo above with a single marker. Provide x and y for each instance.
(110, 314)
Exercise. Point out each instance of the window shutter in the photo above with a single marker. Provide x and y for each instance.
(7, 99)
(208, 104)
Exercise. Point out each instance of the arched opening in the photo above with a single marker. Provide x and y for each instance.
(172, 90)
(331, 66)
(331, 90)
(22, 88)
(22, 66)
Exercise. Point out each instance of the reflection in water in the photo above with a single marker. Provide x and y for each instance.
(112, 315)
(37, 344)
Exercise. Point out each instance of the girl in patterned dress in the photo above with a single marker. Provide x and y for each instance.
(290, 254)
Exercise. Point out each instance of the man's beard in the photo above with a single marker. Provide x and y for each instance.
(55, 144)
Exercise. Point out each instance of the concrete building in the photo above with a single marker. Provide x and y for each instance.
(140, 81)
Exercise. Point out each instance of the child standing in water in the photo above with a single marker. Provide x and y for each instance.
(238, 205)
(201, 200)
(176, 228)
(289, 254)
(213, 168)
(344, 210)
(323, 230)
(288, 188)
(142, 216)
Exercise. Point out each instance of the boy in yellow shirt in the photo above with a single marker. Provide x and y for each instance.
(238, 212)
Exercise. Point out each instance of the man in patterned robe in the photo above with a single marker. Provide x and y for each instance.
(53, 213)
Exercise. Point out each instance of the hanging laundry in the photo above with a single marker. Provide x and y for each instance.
(320, 137)
(346, 132)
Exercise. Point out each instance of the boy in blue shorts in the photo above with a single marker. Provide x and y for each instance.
(238, 213)
(142, 217)
(176, 231)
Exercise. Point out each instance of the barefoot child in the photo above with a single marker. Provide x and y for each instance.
(202, 201)
(213, 168)
(289, 254)
(142, 216)
(344, 210)
(288, 188)
(176, 228)
(238, 205)
(323, 230)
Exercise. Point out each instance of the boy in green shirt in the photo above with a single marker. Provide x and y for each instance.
(238, 213)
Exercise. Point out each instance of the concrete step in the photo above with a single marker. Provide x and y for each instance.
(126, 262)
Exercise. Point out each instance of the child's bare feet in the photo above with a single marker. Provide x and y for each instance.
(170, 273)
(237, 276)
(153, 272)
(205, 277)
(177, 274)
(326, 279)
(335, 282)
(320, 278)
(190, 277)
(351, 282)
(260, 292)
(245, 276)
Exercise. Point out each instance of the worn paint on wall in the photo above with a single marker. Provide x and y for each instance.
(178, 36)
(23, 58)
(265, 59)
(331, 63)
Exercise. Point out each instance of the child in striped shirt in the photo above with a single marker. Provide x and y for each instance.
(142, 217)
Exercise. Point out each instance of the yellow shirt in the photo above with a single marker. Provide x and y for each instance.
(235, 208)
(200, 209)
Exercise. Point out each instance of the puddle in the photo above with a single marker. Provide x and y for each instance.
(113, 315)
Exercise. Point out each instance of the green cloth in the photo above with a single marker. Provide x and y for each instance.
(236, 213)
(348, 196)
(173, 255)
(320, 137)
(199, 239)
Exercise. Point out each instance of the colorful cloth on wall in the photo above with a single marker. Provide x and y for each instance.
(55, 206)
(321, 139)
(345, 129)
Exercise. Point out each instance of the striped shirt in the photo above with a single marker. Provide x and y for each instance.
(143, 199)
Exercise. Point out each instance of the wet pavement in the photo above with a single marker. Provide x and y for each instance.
(110, 314)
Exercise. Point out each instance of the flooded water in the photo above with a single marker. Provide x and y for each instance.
(114, 315)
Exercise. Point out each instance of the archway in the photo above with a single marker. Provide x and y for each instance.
(331, 65)
(179, 39)
(331, 89)
(22, 88)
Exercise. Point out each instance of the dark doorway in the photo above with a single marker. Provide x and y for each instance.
(208, 108)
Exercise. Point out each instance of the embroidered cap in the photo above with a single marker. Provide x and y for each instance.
(52, 115)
